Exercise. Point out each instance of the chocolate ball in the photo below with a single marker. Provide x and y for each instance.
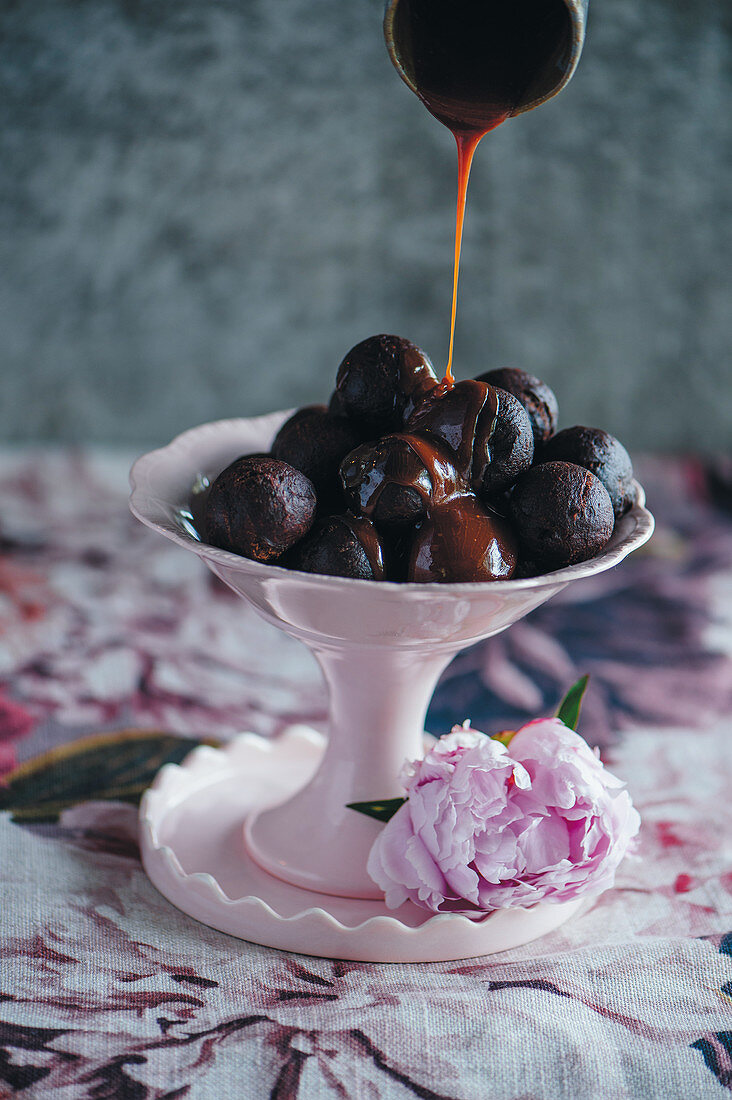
(259, 507)
(461, 541)
(510, 446)
(527, 568)
(393, 480)
(314, 442)
(335, 405)
(380, 381)
(341, 546)
(535, 396)
(595, 450)
(487, 431)
(562, 514)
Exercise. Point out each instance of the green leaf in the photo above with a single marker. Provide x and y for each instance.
(569, 708)
(505, 736)
(382, 811)
(107, 767)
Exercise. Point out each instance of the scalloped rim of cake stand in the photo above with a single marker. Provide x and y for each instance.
(193, 851)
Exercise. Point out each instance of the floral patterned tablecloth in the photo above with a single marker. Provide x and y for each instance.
(118, 649)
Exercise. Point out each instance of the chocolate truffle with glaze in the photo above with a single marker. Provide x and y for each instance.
(341, 546)
(459, 416)
(485, 429)
(459, 542)
(535, 396)
(600, 452)
(562, 514)
(380, 381)
(259, 507)
(314, 442)
(396, 479)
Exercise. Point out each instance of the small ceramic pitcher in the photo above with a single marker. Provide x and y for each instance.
(557, 49)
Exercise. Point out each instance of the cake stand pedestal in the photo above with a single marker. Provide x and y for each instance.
(256, 839)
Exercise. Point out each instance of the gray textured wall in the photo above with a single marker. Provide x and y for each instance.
(205, 203)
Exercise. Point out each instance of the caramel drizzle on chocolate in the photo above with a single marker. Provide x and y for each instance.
(416, 379)
(453, 506)
(439, 558)
(435, 460)
(447, 481)
(461, 406)
(366, 534)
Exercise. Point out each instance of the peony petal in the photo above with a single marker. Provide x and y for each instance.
(488, 827)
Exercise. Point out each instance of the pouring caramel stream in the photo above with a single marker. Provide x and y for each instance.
(467, 143)
(474, 63)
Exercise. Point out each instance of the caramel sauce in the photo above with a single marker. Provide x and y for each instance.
(441, 470)
(474, 63)
(466, 146)
(461, 541)
(364, 531)
(459, 538)
(451, 411)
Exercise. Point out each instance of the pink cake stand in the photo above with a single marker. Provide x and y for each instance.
(255, 839)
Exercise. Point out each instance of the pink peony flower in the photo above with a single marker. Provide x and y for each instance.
(488, 827)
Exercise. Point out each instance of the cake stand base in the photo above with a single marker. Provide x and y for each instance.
(192, 841)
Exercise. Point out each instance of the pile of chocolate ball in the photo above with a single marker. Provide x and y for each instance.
(406, 478)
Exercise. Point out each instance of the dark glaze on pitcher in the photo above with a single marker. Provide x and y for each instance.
(474, 63)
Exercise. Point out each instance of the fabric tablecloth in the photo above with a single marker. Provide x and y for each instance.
(118, 648)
